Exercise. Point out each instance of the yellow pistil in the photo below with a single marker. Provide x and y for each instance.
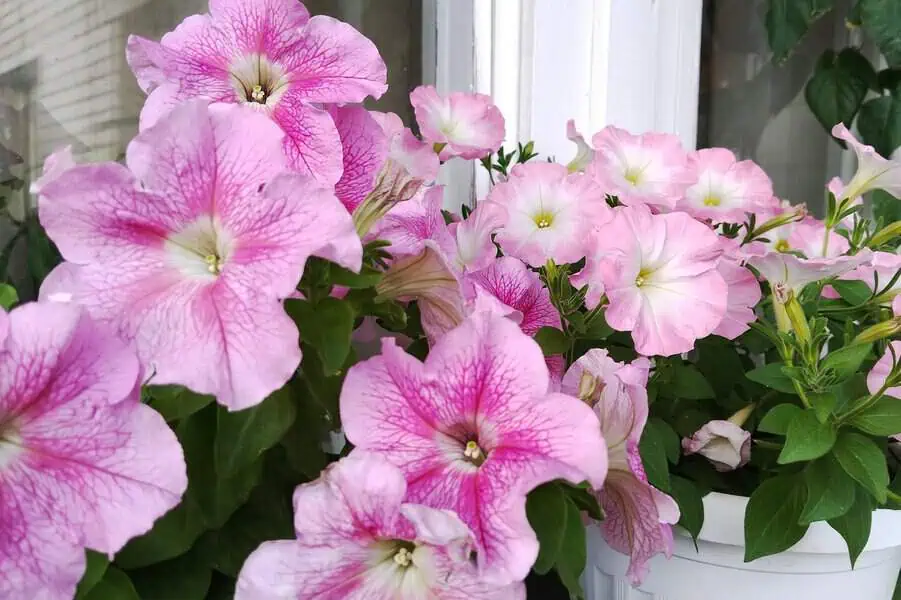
(543, 220)
(403, 557)
(472, 451)
(712, 201)
(782, 246)
(213, 263)
(258, 94)
(642, 277)
(633, 175)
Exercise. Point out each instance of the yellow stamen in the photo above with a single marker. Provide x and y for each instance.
(712, 201)
(642, 277)
(403, 558)
(633, 175)
(543, 220)
(214, 263)
(258, 94)
(472, 451)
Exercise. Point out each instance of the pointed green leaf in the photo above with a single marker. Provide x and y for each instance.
(852, 292)
(830, 492)
(846, 361)
(881, 419)
(882, 20)
(837, 88)
(327, 326)
(854, 526)
(776, 421)
(573, 555)
(552, 341)
(773, 377)
(688, 383)
(8, 296)
(691, 504)
(115, 585)
(652, 448)
(95, 568)
(787, 21)
(806, 438)
(546, 510)
(862, 459)
(772, 516)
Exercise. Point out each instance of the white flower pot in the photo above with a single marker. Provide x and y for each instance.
(816, 568)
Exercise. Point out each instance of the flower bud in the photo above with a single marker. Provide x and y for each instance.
(886, 234)
(879, 331)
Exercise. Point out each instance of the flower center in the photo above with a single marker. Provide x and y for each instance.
(782, 246)
(642, 277)
(200, 250)
(473, 453)
(257, 80)
(712, 200)
(543, 220)
(633, 175)
(403, 557)
(10, 444)
(214, 263)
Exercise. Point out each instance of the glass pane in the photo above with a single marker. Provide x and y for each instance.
(757, 109)
(64, 79)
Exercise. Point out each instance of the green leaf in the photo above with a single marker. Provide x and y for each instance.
(772, 516)
(115, 585)
(687, 382)
(773, 377)
(585, 499)
(243, 436)
(879, 123)
(326, 326)
(852, 292)
(552, 341)
(652, 448)
(862, 459)
(882, 21)
(823, 403)
(691, 504)
(885, 207)
(669, 438)
(175, 402)
(185, 578)
(8, 296)
(854, 525)
(846, 361)
(787, 21)
(218, 495)
(366, 278)
(96, 565)
(881, 419)
(806, 438)
(720, 364)
(571, 560)
(830, 492)
(778, 418)
(171, 536)
(837, 88)
(546, 510)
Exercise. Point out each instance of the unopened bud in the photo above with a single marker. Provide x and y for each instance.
(886, 234)
(798, 319)
(796, 214)
(741, 416)
(879, 331)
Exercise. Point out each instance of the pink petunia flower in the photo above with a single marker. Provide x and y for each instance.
(474, 429)
(789, 273)
(881, 370)
(638, 517)
(725, 189)
(726, 445)
(410, 224)
(190, 251)
(462, 124)
(364, 148)
(550, 212)
(660, 275)
(84, 463)
(473, 235)
(584, 152)
(268, 54)
(809, 237)
(880, 270)
(874, 172)
(357, 539)
(651, 168)
(57, 163)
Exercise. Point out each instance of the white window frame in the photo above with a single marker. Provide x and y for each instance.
(630, 63)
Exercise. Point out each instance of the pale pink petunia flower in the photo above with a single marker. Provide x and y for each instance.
(881, 370)
(837, 188)
(83, 463)
(724, 189)
(474, 236)
(638, 517)
(650, 169)
(268, 54)
(743, 292)
(660, 276)
(809, 237)
(467, 125)
(550, 213)
(190, 250)
(474, 429)
(584, 152)
(726, 445)
(57, 163)
(874, 172)
(787, 273)
(408, 225)
(878, 273)
(359, 539)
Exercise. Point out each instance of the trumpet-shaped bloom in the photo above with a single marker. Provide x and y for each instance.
(651, 168)
(364, 148)
(465, 125)
(743, 291)
(726, 445)
(83, 464)
(809, 236)
(638, 517)
(878, 274)
(584, 152)
(660, 275)
(475, 246)
(724, 189)
(190, 251)
(881, 370)
(268, 54)
(789, 273)
(410, 224)
(874, 172)
(474, 429)
(358, 540)
(57, 163)
(550, 213)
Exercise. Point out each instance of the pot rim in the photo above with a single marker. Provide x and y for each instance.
(724, 516)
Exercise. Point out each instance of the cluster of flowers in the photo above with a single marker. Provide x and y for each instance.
(253, 156)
